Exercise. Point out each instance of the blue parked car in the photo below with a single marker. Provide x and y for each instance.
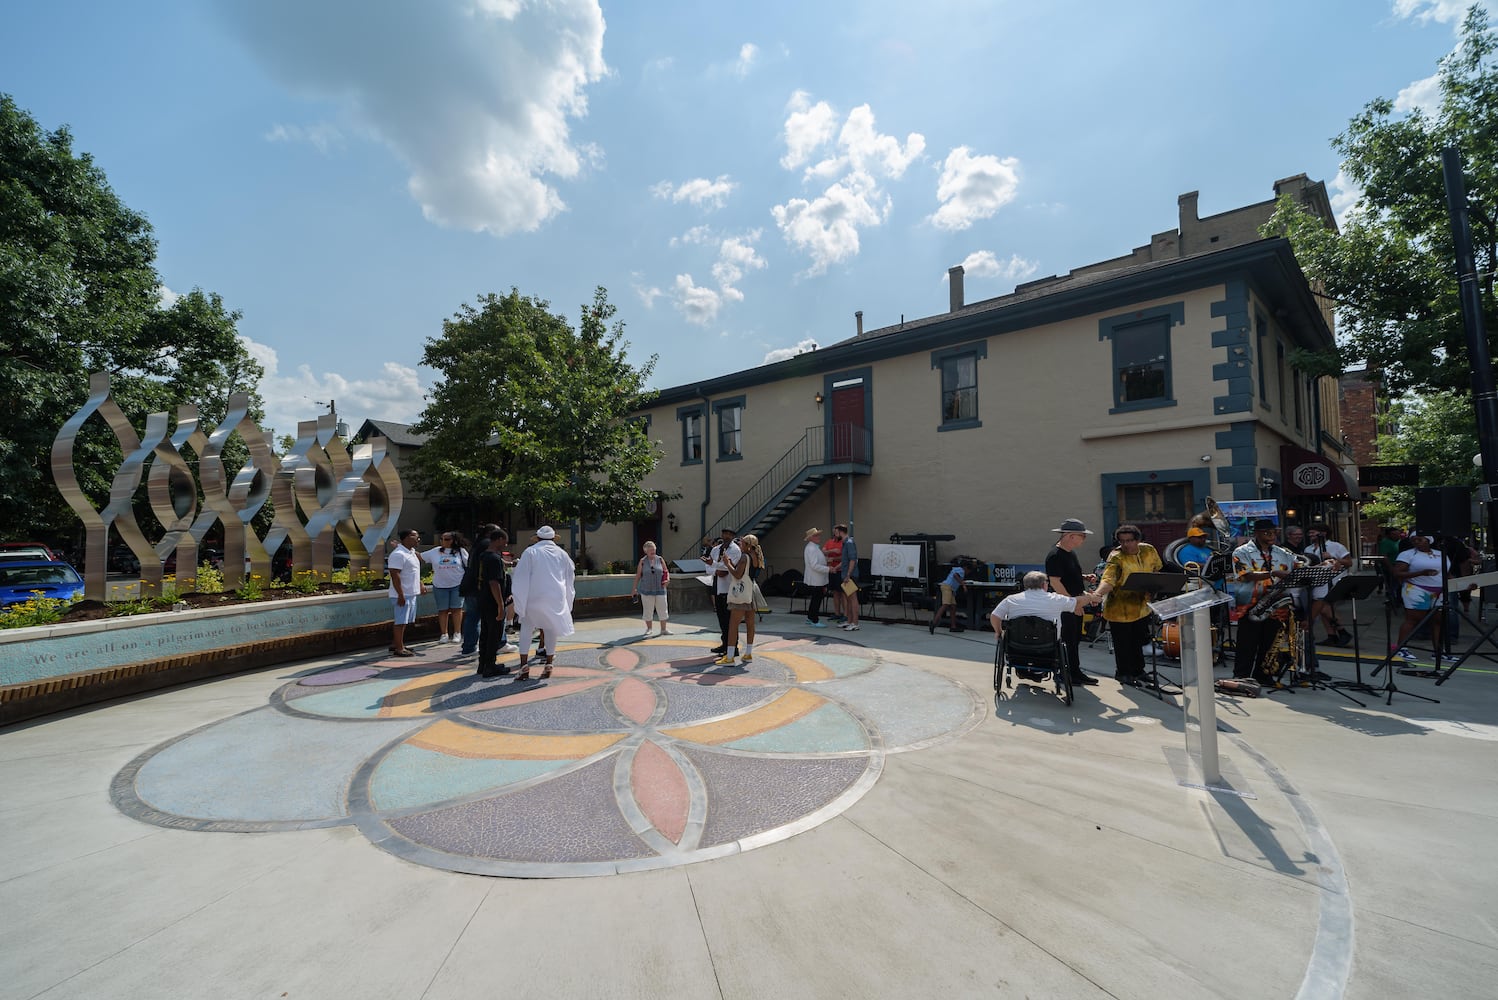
(18, 578)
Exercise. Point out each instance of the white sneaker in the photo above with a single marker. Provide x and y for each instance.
(1403, 653)
(508, 648)
(441, 639)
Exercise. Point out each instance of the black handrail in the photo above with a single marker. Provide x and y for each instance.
(850, 444)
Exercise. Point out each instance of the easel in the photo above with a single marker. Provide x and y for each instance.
(1356, 588)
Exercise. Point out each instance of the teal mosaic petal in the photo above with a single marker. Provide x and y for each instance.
(357, 701)
(827, 730)
(412, 776)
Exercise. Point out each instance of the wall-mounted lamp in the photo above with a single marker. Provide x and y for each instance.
(1206, 458)
(819, 398)
(1289, 512)
(671, 521)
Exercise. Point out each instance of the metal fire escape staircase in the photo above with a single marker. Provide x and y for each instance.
(824, 451)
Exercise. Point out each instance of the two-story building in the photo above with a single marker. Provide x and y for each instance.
(1124, 391)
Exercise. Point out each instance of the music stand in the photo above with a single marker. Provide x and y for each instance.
(1156, 583)
(1357, 588)
(1303, 578)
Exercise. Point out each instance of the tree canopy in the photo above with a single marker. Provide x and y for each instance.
(532, 413)
(1437, 432)
(1391, 270)
(79, 293)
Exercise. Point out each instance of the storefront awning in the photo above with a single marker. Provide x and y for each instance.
(1308, 474)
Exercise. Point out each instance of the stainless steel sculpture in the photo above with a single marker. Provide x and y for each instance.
(319, 490)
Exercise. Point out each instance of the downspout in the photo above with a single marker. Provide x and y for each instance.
(707, 466)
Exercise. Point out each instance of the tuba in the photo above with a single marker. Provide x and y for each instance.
(1216, 567)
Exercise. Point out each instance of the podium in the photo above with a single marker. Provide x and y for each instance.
(1193, 611)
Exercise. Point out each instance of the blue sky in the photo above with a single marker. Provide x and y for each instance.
(740, 177)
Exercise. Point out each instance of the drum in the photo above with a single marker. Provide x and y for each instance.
(1170, 636)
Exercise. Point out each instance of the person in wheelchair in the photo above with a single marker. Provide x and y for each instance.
(1034, 601)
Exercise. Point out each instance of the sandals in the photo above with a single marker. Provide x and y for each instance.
(547, 672)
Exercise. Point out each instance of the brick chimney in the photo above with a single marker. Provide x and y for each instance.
(954, 286)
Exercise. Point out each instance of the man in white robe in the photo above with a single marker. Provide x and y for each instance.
(542, 587)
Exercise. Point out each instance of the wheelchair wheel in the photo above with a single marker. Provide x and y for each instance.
(1003, 676)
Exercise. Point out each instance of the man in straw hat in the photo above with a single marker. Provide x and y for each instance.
(1066, 579)
(814, 576)
(542, 586)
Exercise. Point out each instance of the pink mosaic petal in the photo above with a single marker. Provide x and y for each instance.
(622, 659)
(635, 700)
(660, 789)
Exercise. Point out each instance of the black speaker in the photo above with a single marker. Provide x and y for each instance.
(1444, 510)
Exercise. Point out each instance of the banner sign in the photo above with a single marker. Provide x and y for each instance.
(1375, 476)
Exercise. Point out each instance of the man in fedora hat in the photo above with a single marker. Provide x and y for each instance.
(1258, 564)
(814, 575)
(1066, 579)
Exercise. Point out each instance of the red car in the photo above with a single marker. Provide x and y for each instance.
(27, 550)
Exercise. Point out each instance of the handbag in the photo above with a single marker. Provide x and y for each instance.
(760, 604)
(741, 590)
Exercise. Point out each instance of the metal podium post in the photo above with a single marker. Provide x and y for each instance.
(1193, 611)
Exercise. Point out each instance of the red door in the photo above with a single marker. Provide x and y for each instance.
(849, 430)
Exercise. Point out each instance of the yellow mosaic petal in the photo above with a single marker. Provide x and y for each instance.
(457, 740)
(789, 707)
(415, 696)
(804, 667)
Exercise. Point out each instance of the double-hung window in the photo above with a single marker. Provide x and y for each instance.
(692, 420)
(730, 429)
(1141, 356)
(959, 384)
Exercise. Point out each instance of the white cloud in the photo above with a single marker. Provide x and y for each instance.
(1425, 11)
(698, 191)
(647, 294)
(322, 136)
(807, 127)
(983, 264)
(748, 53)
(973, 188)
(826, 227)
(1423, 94)
(165, 297)
(697, 303)
(736, 255)
(851, 160)
(781, 353)
(1345, 194)
(474, 96)
(396, 395)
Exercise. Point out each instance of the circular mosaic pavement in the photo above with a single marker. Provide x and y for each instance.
(635, 754)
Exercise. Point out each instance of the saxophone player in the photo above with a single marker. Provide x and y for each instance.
(1257, 565)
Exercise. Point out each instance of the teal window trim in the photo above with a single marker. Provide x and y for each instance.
(730, 439)
(1165, 318)
(684, 415)
(952, 414)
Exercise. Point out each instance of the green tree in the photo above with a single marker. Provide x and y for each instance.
(532, 413)
(1437, 432)
(79, 293)
(1391, 269)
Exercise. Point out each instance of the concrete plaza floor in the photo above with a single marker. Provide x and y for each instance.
(1046, 851)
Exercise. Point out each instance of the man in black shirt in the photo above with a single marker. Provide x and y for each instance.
(494, 594)
(1065, 571)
